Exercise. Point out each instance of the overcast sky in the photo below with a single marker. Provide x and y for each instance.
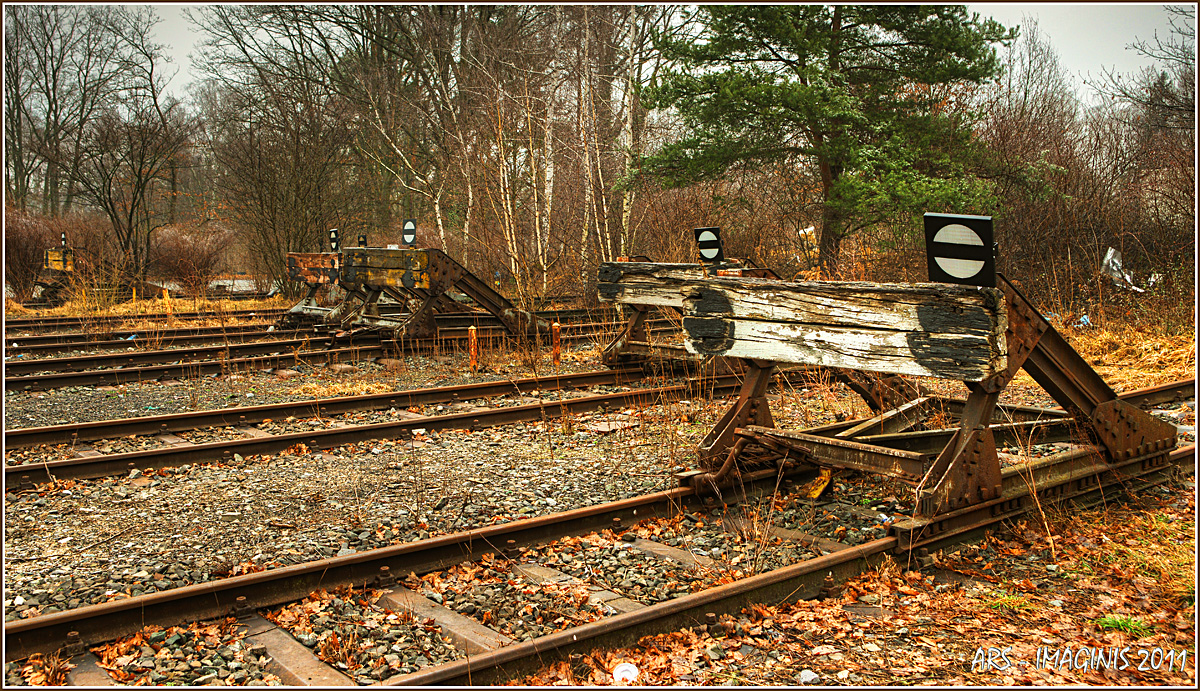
(1089, 38)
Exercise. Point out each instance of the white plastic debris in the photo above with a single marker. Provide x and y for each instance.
(1111, 266)
(625, 673)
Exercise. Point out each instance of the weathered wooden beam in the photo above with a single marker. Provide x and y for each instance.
(651, 284)
(923, 329)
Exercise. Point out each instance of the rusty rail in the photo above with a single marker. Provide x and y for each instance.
(114, 464)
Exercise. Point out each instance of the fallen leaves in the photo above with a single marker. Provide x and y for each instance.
(930, 631)
(46, 670)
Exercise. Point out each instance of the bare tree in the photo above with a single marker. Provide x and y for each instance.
(19, 162)
(126, 153)
(65, 64)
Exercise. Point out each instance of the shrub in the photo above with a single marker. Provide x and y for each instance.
(189, 256)
(26, 238)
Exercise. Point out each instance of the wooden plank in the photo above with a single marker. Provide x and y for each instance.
(387, 268)
(466, 633)
(293, 663)
(923, 329)
(312, 267)
(640, 283)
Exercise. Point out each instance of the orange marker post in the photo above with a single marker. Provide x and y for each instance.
(167, 302)
(473, 347)
(556, 353)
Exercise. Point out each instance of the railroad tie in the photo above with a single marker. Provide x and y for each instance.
(544, 574)
(294, 664)
(88, 672)
(85, 451)
(467, 634)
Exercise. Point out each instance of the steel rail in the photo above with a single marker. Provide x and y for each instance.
(1071, 475)
(90, 338)
(1162, 393)
(223, 417)
(44, 323)
(102, 622)
(185, 370)
(16, 368)
(116, 464)
(377, 568)
(195, 368)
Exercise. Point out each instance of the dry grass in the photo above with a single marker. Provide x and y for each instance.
(341, 388)
(13, 308)
(1151, 543)
(1131, 359)
(90, 304)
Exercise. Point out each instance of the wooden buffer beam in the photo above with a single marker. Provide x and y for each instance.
(59, 263)
(619, 284)
(421, 279)
(640, 287)
(944, 448)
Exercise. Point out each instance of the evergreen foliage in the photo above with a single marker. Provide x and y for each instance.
(870, 95)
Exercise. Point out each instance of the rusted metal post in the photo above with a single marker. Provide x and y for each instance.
(556, 352)
(473, 347)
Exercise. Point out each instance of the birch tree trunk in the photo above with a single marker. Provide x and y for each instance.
(584, 91)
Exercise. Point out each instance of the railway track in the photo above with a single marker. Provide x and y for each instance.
(321, 407)
(43, 344)
(183, 369)
(46, 373)
(42, 324)
(228, 351)
(521, 580)
(30, 326)
(176, 452)
(124, 340)
(606, 612)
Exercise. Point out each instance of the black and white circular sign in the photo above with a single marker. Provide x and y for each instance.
(960, 249)
(409, 235)
(709, 242)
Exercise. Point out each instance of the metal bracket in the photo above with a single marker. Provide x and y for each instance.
(1127, 431)
(751, 408)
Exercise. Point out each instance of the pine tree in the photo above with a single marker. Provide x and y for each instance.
(858, 92)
